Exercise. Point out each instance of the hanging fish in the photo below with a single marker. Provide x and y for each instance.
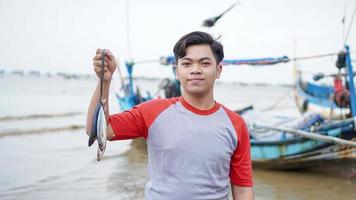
(99, 125)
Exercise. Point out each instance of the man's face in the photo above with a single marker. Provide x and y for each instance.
(197, 70)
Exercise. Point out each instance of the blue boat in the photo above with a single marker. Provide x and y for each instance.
(131, 97)
(279, 149)
(273, 147)
(331, 103)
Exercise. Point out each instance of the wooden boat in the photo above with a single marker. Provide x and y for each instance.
(278, 149)
(273, 147)
(281, 145)
(131, 97)
(332, 101)
(323, 99)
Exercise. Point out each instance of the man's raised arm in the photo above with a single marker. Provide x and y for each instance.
(109, 68)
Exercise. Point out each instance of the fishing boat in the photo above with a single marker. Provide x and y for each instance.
(168, 87)
(131, 96)
(316, 141)
(295, 143)
(332, 101)
(307, 142)
(312, 141)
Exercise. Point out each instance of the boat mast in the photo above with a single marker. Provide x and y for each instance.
(349, 69)
(351, 80)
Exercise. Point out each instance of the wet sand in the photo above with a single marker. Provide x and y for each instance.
(278, 185)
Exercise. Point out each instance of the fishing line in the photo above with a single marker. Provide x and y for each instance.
(350, 25)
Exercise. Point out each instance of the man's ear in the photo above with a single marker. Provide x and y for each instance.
(175, 69)
(218, 70)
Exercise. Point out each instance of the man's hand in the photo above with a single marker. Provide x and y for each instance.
(109, 64)
(109, 69)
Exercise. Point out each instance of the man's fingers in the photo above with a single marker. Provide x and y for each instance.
(108, 67)
(98, 63)
(97, 56)
(98, 69)
(99, 52)
(110, 56)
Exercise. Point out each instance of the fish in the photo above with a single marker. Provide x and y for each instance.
(101, 132)
(99, 124)
(94, 125)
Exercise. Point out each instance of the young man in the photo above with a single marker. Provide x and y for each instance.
(196, 146)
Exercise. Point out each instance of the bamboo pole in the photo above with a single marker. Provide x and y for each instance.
(309, 135)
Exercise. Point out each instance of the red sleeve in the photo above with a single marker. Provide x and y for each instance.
(129, 124)
(135, 123)
(241, 166)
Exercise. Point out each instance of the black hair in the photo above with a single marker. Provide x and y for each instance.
(198, 38)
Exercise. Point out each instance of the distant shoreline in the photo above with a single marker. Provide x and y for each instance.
(65, 75)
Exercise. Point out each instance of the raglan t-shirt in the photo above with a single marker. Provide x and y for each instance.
(192, 154)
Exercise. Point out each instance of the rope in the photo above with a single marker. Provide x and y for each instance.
(279, 100)
(351, 22)
(120, 74)
(313, 57)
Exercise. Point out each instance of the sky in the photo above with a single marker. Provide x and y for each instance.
(62, 35)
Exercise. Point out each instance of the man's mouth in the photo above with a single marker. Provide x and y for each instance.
(195, 80)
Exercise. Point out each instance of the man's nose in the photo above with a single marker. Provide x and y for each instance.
(195, 69)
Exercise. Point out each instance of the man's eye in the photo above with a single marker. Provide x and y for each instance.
(186, 64)
(206, 63)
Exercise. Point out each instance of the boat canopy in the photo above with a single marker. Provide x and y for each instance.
(169, 60)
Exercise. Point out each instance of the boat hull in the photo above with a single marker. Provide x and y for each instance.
(322, 104)
(308, 154)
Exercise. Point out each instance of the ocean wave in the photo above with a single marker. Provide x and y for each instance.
(38, 116)
(21, 132)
